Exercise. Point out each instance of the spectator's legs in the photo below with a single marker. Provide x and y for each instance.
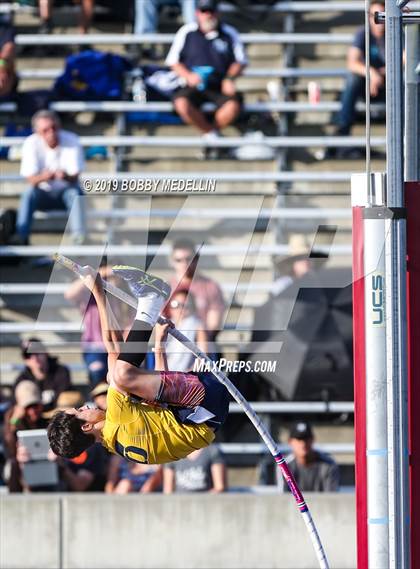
(45, 7)
(191, 115)
(226, 114)
(72, 198)
(353, 90)
(14, 481)
(88, 7)
(31, 200)
(145, 16)
(124, 486)
(188, 11)
(97, 366)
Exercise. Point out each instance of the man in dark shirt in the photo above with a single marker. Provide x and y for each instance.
(208, 56)
(355, 85)
(51, 377)
(354, 88)
(313, 470)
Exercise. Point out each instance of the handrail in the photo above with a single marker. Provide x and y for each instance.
(285, 213)
(163, 106)
(141, 250)
(220, 142)
(231, 177)
(260, 448)
(252, 72)
(130, 39)
(74, 327)
(59, 288)
(283, 7)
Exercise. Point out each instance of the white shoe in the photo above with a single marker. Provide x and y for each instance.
(209, 138)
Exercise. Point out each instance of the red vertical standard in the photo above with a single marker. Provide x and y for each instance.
(360, 386)
(412, 200)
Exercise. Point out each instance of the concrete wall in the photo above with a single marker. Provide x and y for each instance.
(179, 531)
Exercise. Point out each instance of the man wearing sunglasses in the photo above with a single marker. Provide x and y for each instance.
(208, 56)
(52, 160)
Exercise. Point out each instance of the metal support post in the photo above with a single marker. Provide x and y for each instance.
(412, 104)
(396, 320)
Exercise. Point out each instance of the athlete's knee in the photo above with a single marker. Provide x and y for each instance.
(122, 374)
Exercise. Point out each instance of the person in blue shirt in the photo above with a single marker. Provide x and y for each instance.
(356, 78)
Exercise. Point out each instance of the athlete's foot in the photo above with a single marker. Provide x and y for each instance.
(142, 283)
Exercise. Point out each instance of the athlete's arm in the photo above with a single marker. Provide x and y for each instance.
(111, 333)
(112, 336)
(161, 334)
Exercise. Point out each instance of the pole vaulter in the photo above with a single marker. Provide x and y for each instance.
(247, 408)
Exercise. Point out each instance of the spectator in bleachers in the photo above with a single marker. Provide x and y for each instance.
(313, 471)
(86, 15)
(181, 310)
(52, 160)
(125, 477)
(25, 414)
(294, 266)
(207, 293)
(46, 372)
(86, 472)
(94, 353)
(208, 56)
(355, 84)
(204, 470)
(8, 78)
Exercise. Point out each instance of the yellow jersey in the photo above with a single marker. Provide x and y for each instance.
(148, 434)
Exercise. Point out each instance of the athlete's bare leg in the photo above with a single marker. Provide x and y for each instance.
(169, 387)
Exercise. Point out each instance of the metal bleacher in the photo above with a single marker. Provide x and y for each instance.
(298, 192)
